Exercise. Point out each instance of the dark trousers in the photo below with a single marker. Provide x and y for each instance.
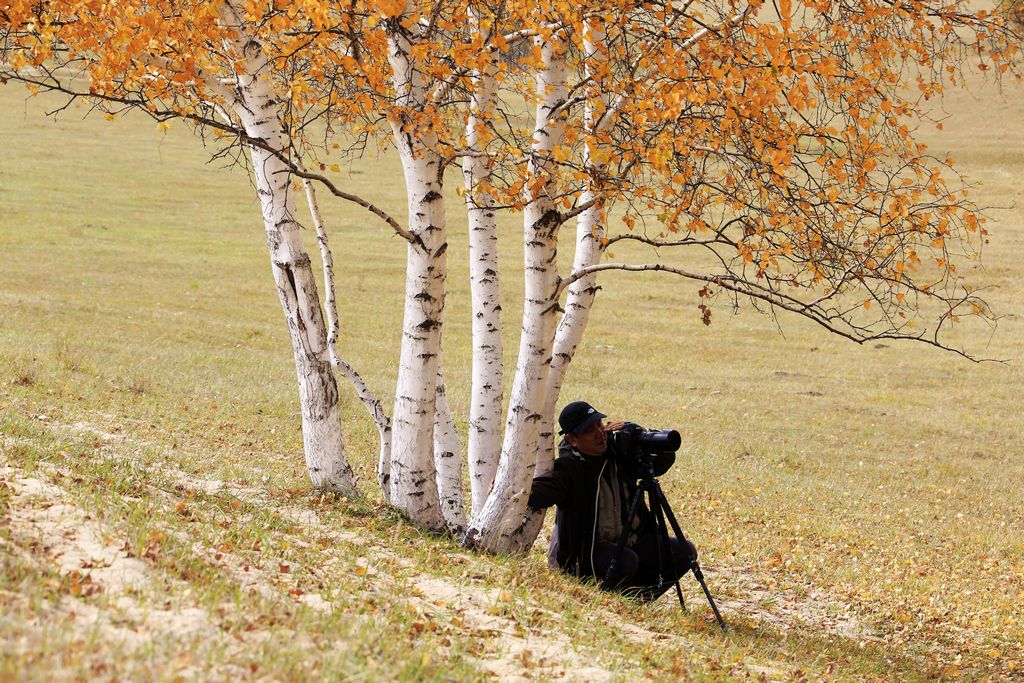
(637, 571)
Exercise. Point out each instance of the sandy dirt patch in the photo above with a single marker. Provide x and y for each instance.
(71, 543)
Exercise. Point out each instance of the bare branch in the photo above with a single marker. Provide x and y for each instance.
(366, 395)
(836, 322)
(225, 127)
(337, 192)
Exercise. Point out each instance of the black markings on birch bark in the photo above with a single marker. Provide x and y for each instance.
(485, 413)
(257, 110)
(498, 527)
(325, 398)
(413, 484)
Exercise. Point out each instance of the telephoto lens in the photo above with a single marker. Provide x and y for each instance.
(660, 440)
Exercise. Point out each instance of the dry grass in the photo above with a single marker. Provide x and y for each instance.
(859, 510)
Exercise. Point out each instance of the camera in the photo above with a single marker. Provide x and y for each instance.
(645, 452)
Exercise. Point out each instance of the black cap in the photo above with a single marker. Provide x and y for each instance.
(577, 417)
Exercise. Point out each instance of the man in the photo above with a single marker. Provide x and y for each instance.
(593, 496)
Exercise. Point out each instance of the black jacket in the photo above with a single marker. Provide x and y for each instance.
(572, 485)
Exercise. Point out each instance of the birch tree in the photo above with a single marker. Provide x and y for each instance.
(764, 152)
(131, 55)
(484, 438)
(411, 473)
(776, 139)
(217, 66)
(540, 304)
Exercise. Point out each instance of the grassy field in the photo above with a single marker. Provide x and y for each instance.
(859, 510)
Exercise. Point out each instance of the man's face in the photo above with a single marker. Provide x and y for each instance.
(592, 441)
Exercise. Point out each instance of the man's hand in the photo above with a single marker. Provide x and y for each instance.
(614, 426)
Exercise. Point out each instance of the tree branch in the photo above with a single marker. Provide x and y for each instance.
(853, 332)
(240, 134)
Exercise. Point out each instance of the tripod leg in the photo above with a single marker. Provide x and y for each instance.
(699, 575)
(679, 594)
(656, 492)
(665, 548)
(670, 516)
(613, 565)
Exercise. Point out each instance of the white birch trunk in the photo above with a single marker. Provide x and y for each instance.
(413, 473)
(581, 294)
(590, 233)
(413, 483)
(499, 527)
(448, 460)
(257, 109)
(484, 439)
(578, 303)
(370, 401)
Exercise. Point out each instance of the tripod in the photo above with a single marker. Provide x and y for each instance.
(662, 512)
